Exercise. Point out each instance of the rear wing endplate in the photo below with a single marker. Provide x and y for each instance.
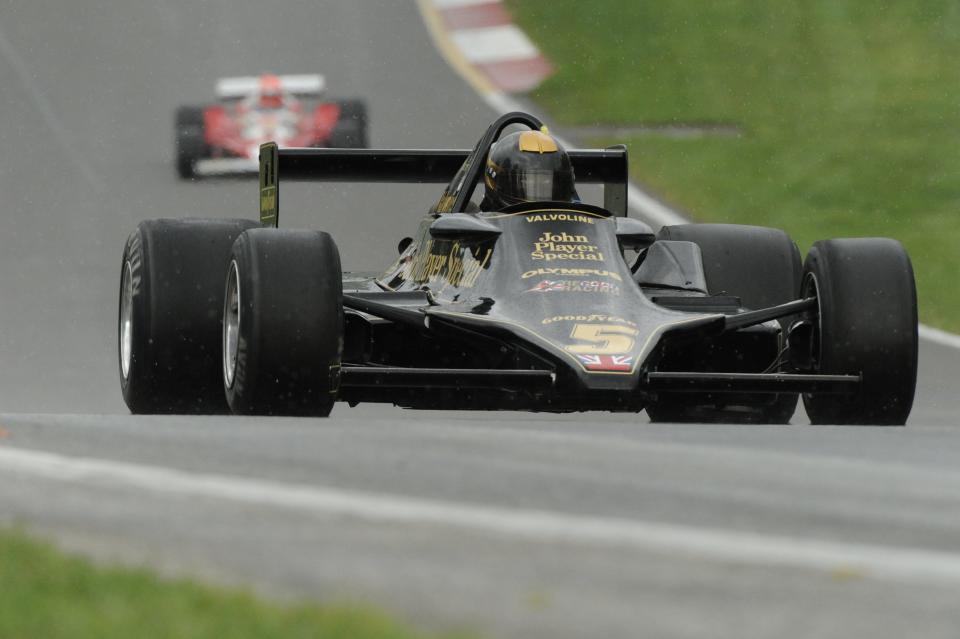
(591, 166)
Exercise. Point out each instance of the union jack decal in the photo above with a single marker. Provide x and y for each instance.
(547, 285)
(617, 363)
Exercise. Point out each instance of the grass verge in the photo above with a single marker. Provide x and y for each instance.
(44, 593)
(849, 112)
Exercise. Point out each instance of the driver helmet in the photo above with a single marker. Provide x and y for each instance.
(528, 166)
(271, 92)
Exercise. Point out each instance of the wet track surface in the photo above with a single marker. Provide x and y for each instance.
(515, 524)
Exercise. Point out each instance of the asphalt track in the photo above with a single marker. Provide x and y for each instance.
(517, 525)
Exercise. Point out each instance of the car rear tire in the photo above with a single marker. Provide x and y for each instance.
(350, 131)
(867, 325)
(283, 323)
(190, 143)
(171, 302)
(762, 267)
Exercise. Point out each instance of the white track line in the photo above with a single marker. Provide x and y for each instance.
(940, 337)
(47, 112)
(539, 526)
(650, 208)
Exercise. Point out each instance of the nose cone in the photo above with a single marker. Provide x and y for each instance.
(557, 280)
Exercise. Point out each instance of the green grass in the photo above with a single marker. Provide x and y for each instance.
(44, 593)
(850, 112)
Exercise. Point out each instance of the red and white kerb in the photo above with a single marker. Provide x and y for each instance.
(487, 37)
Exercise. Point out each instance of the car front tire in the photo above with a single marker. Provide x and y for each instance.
(762, 267)
(866, 325)
(283, 323)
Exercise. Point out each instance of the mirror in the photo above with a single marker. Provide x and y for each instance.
(634, 234)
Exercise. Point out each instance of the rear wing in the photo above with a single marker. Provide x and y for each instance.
(301, 85)
(591, 166)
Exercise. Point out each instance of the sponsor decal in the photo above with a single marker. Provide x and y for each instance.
(612, 363)
(607, 319)
(459, 266)
(268, 202)
(560, 217)
(446, 203)
(604, 347)
(572, 272)
(564, 246)
(575, 286)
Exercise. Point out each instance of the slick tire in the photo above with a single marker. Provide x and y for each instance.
(350, 131)
(189, 143)
(762, 267)
(171, 303)
(867, 325)
(283, 323)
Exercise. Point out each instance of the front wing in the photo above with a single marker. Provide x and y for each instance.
(543, 381)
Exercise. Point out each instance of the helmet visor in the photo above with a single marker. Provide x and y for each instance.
(271, 101)
(532, 185)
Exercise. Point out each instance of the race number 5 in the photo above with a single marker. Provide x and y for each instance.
(604, 339)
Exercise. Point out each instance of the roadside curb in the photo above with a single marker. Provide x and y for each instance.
(639, 201)
(484, 34)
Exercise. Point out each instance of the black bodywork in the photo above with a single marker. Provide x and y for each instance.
(536, 306)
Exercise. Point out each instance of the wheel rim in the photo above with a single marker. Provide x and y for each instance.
(231, 325)
(126, 320)
(811, 288)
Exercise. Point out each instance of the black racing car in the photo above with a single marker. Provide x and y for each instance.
(543, 306)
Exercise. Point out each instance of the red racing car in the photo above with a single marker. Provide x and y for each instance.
(224, 138)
